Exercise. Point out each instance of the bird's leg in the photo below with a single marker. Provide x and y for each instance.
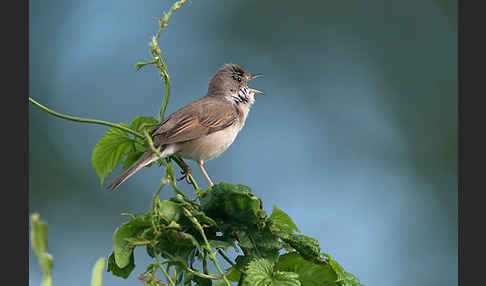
(200, 164)
(186, 171)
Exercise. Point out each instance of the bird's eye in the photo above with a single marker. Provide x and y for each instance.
(237, 78)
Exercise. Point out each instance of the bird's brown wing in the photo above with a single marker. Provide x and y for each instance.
(202, 117)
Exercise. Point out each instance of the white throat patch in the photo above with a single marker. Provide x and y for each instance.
(242, 96)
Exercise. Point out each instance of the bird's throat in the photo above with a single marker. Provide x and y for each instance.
(243, 96)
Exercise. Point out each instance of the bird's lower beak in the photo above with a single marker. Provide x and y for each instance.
(255, 91)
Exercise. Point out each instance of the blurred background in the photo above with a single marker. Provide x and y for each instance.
(355, 137)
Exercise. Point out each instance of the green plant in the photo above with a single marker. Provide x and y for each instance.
(38, 239)
(181, 234)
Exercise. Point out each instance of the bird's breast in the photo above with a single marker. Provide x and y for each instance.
(209, 146)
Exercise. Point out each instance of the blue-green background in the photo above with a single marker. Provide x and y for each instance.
(355, 137)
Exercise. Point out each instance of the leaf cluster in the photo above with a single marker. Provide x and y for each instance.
(177, 232)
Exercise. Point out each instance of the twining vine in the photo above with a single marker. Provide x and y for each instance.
(181, 234)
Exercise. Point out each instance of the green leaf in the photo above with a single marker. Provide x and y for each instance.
(110, 151)
(203, 219)
(223, 242)
(261, 273)
(38, 234)
(39, 245)
(233, 204)
(132, 157)
(307, 246)
(281, 221)
(97, 273)
(344, 277)
(142, 123)
(140, 65)
(47, 280)
(310, 273)
(234, 275)
(170, 211)
(120, 272)
(202, 281)
(123, 249)
(259, 243)
(177, 244)
(242, 261)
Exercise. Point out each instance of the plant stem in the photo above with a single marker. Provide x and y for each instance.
(181, 165)
(242, 277)
(165, 101)
(156, 196)
(163, 270)
(221, 252)
(86, 120)
(174, 274)
(156, 53)
(207, 245)
(121, 127)
(202, 275)
(205, 262)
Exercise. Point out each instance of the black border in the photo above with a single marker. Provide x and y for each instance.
(15, 144)
(25, 162)
(471, 120)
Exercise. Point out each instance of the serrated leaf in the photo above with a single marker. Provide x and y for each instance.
(261, 273)
(310, 273)
(346, 278)
(170, 211)
(97, 273)
(141, 123)
(110, 151)
(259, 243)
(307, 246)
(233, 204)
(120, 272)
(123, 249)
(282, 221)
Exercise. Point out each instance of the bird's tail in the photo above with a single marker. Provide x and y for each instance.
(146, 159)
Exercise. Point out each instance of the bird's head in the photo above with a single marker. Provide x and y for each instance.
(230, 79)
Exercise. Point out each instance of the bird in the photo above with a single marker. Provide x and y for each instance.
(204, 129)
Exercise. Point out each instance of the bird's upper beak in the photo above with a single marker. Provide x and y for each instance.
(252, 76)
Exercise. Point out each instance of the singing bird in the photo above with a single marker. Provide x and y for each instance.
(205, 128)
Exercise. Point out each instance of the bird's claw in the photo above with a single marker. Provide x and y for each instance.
(186, 173)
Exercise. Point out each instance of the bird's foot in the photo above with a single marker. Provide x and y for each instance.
(186, 173)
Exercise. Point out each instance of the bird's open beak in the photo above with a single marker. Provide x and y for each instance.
(252, 77)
